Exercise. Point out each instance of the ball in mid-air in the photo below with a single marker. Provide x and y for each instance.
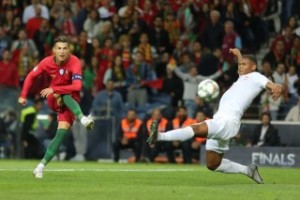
(208, 90)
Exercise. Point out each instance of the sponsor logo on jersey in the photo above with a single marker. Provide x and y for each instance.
(61, 71)
(76, 77)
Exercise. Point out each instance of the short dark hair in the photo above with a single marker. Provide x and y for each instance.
(251, 57)
(61, 38)
(266, 114)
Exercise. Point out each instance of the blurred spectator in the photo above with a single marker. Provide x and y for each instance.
(66, 23)
(82, 47)
(146, 49)
(138, 71)
(267, 70)
(9, 71)
(8, 124)
(295, 54)
(29, 11)
(294, 113)
(190, 82)
(280, 76)
(178, 51)
(117, 74)
(129, 136)
(35, 22)
(230, 40)
(125, 51)
(92, 25)
(107, 9)
(159, 37)
(287, 37)
(16, 28)
(180, 121)
(173, 86)
(292, 78)
(24, 53)
(163, 126)
(292, 23)
(186, 62)
(161, 65)
(276, 55)
(265, 134)
(213, 32)
(196, 52)
(106, 61)
(31, 144)
(5, 41)
(148, 13)
(43, 38)
(272, 15)
(172, 26)
(117, 27)
(127, 10)
(108, 103)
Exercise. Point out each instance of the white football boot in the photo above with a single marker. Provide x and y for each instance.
(254, 174)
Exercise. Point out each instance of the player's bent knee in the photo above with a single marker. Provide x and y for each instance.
(212, 166)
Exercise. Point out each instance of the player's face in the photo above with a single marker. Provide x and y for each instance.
(246, 66)
(61, 51)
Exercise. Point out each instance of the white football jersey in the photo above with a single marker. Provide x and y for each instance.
(240, 95)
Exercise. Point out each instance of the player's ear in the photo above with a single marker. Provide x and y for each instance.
(254, 67)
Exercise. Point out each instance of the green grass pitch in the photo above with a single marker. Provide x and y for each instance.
(92, 180)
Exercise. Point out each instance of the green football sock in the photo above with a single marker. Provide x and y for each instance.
(72, 105)
(54, 145)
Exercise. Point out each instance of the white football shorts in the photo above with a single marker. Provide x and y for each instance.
(220, 130)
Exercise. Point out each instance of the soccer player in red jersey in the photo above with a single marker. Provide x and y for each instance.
(62, 94)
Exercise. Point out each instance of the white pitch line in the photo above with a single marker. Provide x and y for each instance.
(105, 170)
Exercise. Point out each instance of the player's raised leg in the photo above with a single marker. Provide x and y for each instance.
(53, 148)
(75, 108)
(181, 134)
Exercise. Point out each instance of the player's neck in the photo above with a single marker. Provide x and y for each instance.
(60, 63)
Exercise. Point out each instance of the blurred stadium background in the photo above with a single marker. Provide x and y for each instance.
(129, 44)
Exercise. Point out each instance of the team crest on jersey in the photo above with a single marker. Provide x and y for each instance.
(61, 71)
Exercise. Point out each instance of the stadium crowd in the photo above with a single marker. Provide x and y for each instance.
(126, 49)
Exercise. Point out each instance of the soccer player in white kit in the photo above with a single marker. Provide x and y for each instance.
(225, 124)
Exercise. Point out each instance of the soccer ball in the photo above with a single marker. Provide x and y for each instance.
(208, 90)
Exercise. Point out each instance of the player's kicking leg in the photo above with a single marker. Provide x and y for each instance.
(86, 121)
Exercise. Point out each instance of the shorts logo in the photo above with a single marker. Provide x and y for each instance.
(61, 71)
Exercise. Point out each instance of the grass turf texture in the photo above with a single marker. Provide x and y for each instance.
(91, 180)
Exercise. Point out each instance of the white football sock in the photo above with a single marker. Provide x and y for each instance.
(181, 134)
(228, 166)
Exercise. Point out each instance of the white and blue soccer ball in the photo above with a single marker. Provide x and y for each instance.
(208, 90)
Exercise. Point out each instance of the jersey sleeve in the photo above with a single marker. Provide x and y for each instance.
(37, 70)
(76, 84)
(261, 80)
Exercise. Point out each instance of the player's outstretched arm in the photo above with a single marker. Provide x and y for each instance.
(236, 52)
(276, 89)
(27, 84)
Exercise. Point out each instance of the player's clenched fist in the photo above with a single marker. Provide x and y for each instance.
(22, 101)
